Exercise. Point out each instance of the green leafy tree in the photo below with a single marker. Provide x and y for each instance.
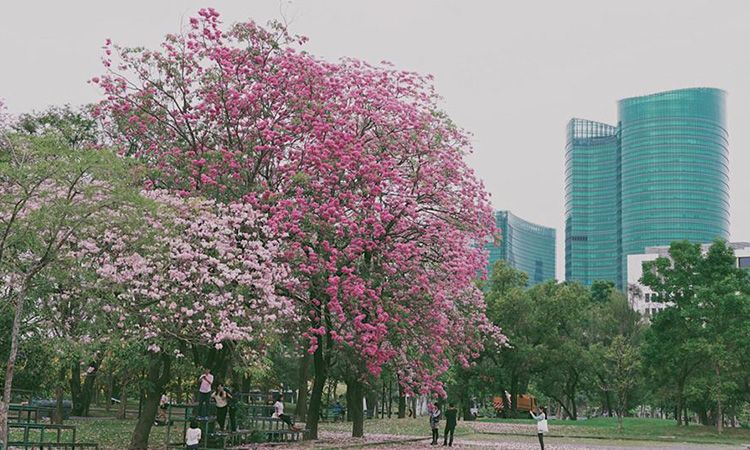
(601, 291)
(563, 315)
(73, 126)
(622, 364)
(510, 307)
(707, 325)
(611, 319)
(50, 195)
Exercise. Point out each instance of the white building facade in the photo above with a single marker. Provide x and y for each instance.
(647, 302)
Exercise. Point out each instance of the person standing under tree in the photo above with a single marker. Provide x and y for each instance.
(541, 424)
(163, 405)
(222, 403)
(451, 416)
(232, 407)
(204, 392)
(434, 422)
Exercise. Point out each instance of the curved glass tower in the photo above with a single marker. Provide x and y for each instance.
(592, 196)
(660, 175)
(675, 168)
(526, 246)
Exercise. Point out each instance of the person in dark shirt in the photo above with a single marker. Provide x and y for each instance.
(451, 414)
(232, 407)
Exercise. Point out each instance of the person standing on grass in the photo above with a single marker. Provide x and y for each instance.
(434, 423)
(541, 424)
(193, 435)
(163, 405)
(278, 411)
(231, 408)
(206, 381)
(222, 403)
(451, 415)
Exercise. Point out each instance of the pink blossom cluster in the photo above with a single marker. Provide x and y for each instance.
(355, 167)
(202, 272)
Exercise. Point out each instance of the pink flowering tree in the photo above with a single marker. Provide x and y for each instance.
(196, 273)
(49, 196)
(6, 121)
(355, 165)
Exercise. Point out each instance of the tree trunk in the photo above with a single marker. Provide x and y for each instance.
(110, 384)
(82, 407)
(680, 401)
(372, 402)
(382, 400)
(122, 413)
(158, 377)
(608, 403)
(390, 396)
(75, 387)
(349, 405)
(514, 395)
(179, 390)
(59, 413)
(355, 390)
(9, 370)
(316, 396)
(401, 402)
(564, 408)
(304, 375)
(719, 413)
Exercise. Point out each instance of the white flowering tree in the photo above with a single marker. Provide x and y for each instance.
(50, 195)
(200, 273)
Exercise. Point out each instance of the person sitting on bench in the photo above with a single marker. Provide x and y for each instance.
(278, 412)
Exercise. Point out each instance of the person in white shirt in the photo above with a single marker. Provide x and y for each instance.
(193, 435)
(163, 405)
(541, 423)
(278, 411)
(204, 392)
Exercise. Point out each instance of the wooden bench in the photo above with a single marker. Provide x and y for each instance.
(275, 429)
(23, 413)
(42, 428)
(54, 446)
(260, 410)
(221, 439)
(333, 413)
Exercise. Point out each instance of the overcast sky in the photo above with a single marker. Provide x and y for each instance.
(511, 72)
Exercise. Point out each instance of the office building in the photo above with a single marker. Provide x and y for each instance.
(660, 175)
(526, 246)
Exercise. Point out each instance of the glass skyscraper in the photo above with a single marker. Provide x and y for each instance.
(660, 175)
(592, 202)
(526, 246)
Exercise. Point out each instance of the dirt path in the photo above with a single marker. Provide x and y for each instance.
(341, 440)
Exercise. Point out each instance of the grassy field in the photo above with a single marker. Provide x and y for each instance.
(115, 434)
(108, 433)
(633, 428)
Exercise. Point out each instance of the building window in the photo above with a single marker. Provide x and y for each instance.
(744, 262)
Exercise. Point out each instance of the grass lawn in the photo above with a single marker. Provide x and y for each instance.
(114, 434)
(633, 428)
(110, 434)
